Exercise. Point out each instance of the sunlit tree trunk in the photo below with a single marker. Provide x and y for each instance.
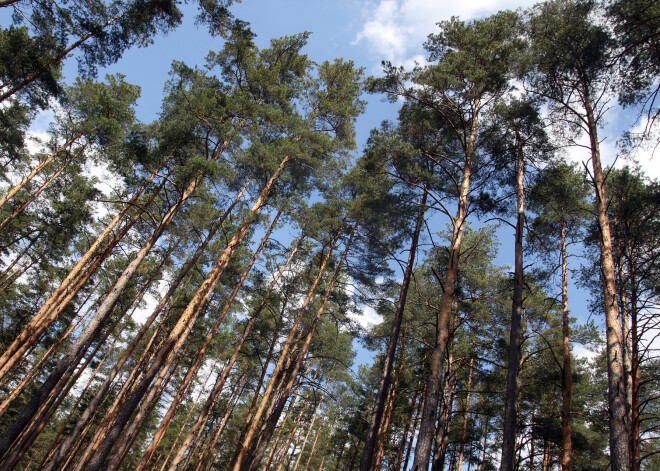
(179, 333)
(567, 375)
(433, 385)
(271, 422)
(246, 443)
(194, 368)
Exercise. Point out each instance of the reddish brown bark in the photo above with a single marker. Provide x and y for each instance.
(179, 333)
(254, 421)
(507, 461)
(567, 376)
(433, 385)
(256, 454)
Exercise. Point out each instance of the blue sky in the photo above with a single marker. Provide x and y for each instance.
(365, 32)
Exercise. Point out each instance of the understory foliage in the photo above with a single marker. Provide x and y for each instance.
(193, 293)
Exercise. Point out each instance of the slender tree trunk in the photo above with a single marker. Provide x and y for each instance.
(92, 328)
(180, 331)
(292, 432)
(192, 370)
(383, 386)
(485, 445)
(567, 375)
(217, 388)
(409, 422)
(389, 408)
(59, 393)
(254, 421)
(40, 190)
(70, 286)
(466, 416)
(207, 452)
(269, 426)
(442, 436)
(311, 426)
(618, 408)
(28, 178)
(433, 385)
(636, 443)
(507, 462)
(93, 405)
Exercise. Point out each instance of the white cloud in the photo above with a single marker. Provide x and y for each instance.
(395, 30)
(367, 318)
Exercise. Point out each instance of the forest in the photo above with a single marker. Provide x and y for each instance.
(204, 309)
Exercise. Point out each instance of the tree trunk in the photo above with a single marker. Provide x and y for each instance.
(192, 370)
(409, 422)
(268, 427)
(93, 405)
(567, 375)
(442, 436)
(181, 330)
(383, 386)
(28, 178)
(389, 408)
(466, 416)
(311, 426)
(254, 421)
(40, 190)
(433, 385)
(618, 408)
(206, 454)
(69, 287)
(92, 328)
(507, 462)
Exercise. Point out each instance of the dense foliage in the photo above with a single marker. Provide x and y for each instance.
(190, 294)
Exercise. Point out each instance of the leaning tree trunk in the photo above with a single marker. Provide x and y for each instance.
(70, 286)
(385, 379)
(507, 462)
(389, 408)
(92, 328)
(19, 209)
(199, 357)
(35, 171)
(93, 405)
(433, 385)
(266, 432)
(254, 421)
(181, 330)
(222, 377)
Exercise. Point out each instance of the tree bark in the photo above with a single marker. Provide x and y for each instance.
(194, 368)
(385, 379)
(466, 417)
(181, 330)
(254, 421)
(93, 405)
(618, 408)
(69, 287)
(429, 412)
(507, 462)
(40, 190)
(268, 427)
(28, 178)
(567, 375)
